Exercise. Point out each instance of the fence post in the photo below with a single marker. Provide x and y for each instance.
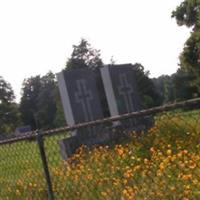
(40, 142)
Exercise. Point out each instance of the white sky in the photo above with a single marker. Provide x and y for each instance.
(37, 35)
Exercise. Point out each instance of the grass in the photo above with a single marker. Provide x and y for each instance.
(22, 158)
(163, 163)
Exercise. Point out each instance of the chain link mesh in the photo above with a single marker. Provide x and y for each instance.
(160, 163)
(20, 169)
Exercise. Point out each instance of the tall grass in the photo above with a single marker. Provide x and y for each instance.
(162, 163)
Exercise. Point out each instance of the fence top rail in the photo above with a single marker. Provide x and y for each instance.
(151, 111)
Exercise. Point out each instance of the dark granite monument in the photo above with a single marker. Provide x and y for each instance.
(122, 93)
(81, 103)
(121, 89)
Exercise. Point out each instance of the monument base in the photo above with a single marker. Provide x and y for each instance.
(108, 135)
(68, 146)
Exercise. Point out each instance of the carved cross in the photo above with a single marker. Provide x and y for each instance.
(126, 90)
(84, 97)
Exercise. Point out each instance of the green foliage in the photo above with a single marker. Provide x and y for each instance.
(84, 55)
(59, 120)
(9, 114)
(165, 87)
(6, 92)
(162, 163)
(188, 13)
(46, 105)
(182, 85)
(9, 117)
(149, 96)
(38, 102)
(190, 59)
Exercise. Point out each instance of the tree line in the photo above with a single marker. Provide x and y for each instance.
(185, 83)
(40, 105)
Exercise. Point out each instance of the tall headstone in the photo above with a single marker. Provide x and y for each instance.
(80, 101)
(79, 96)
(121, 91)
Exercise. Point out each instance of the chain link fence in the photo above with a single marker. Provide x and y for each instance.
(162, 162)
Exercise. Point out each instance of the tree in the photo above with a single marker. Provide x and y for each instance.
(165, 87)
(6, 91)
(182, 85)
(38, 102)
(188, 14)
(59, 118)
(28, 105)
(149, 96)
(83, 55)
(46, 101)
(9, 114)
(190, 59)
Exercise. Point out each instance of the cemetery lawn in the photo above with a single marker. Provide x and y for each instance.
(163, 163)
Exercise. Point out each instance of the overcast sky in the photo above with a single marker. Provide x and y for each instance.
(37, 35)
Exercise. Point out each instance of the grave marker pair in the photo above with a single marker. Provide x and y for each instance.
(81, 102)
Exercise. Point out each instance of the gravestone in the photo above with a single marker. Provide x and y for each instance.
(122, 93)
(20, 131)
(81, 104)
